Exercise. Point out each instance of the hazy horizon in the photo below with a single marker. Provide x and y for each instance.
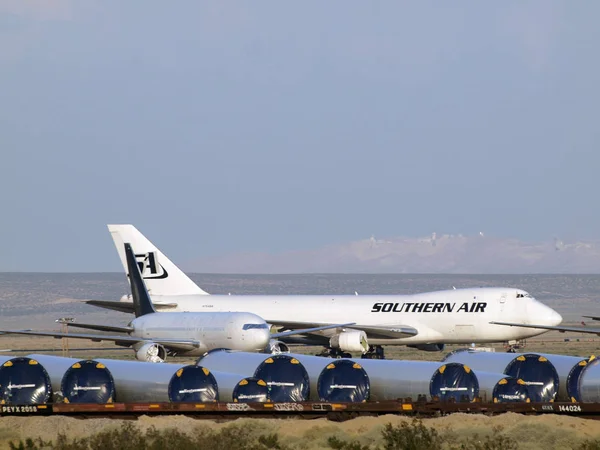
(434, 255)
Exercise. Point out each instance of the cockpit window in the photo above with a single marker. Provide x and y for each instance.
(255, 326)
(523, 295)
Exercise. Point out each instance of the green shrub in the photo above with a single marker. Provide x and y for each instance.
(495, 441)
(589, 445)
(130, 437)
(414, 436)
(338, 444)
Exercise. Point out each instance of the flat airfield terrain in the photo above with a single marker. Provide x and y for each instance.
(36, 300)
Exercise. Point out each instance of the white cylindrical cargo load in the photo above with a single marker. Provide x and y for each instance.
(343, 380)
(397, 379)
(535, 370)
(510, 390)
(226, 382)
(194, 383)
(251, 389)
(589, 382)
(135, 381)
(391, 379)
(247, 364)
(454, 382)
(388, 379)
(498, 387)
(231, 361)
(24, 381)
(314, 366)
(138, 384)
(574, 379)
(486, 382)
(569, 369)
(56, 366)
(287, 378)
(394, 379)
(492, 362)
(88, 381)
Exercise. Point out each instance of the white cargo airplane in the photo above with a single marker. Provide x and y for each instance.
(424, 321)
(154, 335)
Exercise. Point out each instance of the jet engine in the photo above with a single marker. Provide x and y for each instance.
(151, 352)
(429, 347)
(350, 341)
(275, 347)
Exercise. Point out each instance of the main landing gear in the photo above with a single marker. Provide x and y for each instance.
(334, 353)
(375, 352)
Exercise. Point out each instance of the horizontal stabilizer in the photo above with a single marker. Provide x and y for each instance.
(127, 307)
(555, 328)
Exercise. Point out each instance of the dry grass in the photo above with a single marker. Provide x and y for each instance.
(547, 432)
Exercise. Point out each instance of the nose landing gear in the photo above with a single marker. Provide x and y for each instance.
(513, 346)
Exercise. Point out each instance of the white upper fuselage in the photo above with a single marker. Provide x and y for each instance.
(452, 316)
(233, 330)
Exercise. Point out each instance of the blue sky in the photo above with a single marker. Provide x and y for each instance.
(219, 127)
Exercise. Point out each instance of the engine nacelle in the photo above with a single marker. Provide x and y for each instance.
(151, 352)
(350, 341)
(429, 347)
(276, 347)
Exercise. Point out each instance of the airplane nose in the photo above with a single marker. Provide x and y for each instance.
(538, 312)
(547, 315)
(554, 318)
(262, 339)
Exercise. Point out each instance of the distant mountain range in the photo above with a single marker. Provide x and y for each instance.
(434, 254)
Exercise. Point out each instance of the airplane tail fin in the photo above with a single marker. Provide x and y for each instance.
(141, 300)
(161, 276)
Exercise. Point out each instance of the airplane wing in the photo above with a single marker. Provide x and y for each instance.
(555, 328)
(89, 326)
(389, 332)
(592, 317)
(309, 330)
(177, 344)
(374, 332)
(127, 307)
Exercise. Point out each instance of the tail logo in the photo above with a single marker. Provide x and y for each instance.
(149, 266)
